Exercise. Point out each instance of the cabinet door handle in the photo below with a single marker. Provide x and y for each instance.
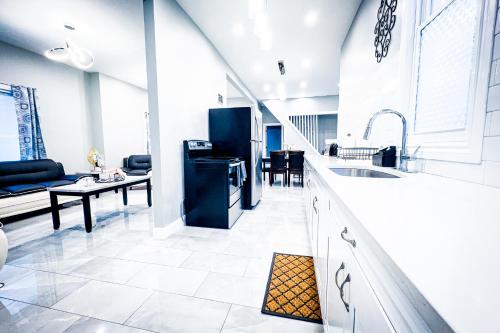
(350, 241)
(347, 280)
(314, 204)
(342, 266)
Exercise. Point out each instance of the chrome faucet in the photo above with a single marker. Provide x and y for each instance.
(403, 156)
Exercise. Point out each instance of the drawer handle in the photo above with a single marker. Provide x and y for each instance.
(342, 266)
(347, 280)
(350, 241)
(314, 204)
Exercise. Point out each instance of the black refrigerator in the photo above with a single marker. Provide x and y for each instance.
(238, 132)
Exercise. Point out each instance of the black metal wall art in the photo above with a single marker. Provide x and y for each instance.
(386, 19)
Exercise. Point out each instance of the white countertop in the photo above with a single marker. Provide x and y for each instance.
(443, 234)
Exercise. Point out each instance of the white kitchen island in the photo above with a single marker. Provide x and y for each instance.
(425, 256)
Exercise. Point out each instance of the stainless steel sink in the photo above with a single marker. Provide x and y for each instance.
(356, 172)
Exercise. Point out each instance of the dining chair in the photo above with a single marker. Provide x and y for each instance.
(296, 165)
(266, 167)
(278, 166)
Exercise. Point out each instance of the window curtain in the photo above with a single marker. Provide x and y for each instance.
(30, 135)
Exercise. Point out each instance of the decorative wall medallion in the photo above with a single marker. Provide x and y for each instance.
(386, 19)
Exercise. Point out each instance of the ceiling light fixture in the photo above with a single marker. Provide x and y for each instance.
(238, 30)
(57, 54)
(303, 84)
(69, 26)
(311, 18)
(80, 57)
(257, 11)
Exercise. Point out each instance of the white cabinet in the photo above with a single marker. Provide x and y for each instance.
(366, 313)
(348, 302)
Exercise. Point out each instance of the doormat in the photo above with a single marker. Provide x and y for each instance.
(291, 290)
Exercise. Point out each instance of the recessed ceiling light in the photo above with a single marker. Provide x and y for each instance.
(267, 87)
(306, 63)
(311, 18)
(303, 84)
(238, 30)
(257, 68)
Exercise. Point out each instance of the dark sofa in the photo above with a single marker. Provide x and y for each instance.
(23, 177)
(137, 165)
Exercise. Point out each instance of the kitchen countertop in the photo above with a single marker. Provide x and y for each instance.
(443, 234)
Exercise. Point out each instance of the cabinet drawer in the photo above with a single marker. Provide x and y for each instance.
(366, 311)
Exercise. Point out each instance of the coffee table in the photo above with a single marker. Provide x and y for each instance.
(85, 191)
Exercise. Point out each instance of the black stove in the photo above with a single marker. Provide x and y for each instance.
(212, 186)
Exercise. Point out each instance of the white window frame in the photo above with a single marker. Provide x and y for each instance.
(457, 145)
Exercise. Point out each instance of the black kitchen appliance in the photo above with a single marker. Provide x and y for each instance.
(238, 132)
(212, 186)
(385, 157)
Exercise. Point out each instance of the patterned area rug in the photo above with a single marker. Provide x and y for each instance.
(291, 289)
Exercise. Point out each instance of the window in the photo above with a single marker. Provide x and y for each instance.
(9, 136)
(453, 41)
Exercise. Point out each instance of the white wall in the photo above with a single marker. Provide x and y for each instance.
(367, 86)
(123, 108)
(307, 105)
(185, 76)
(79, 110)
(61, 89)
(236, 102)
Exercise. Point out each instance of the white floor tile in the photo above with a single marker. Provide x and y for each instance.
(216, 262)
(169, 279)
(102, 300)
(42, 288)
(175, 313)
(246, 319)
(109, 270)
(247, 291)
(16, 317)
(153, 278)
(156, 255)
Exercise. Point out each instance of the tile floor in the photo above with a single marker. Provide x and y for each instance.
(124, 278)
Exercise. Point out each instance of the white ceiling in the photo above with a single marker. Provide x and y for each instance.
(113, 30)
(293, 42)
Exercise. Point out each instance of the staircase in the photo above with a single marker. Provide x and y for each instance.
(308, 127)
(299, 134)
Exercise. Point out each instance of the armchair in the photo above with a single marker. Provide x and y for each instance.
(137, 165)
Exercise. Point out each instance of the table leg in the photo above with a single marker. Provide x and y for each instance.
(148, 190)
(116, 190)
(87, 215)
(54, 208)
(125, 197)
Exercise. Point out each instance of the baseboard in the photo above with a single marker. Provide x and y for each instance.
(169, 229)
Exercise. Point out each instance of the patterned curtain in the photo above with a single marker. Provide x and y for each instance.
(30, 135)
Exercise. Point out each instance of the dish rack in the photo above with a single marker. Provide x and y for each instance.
(358, 153)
